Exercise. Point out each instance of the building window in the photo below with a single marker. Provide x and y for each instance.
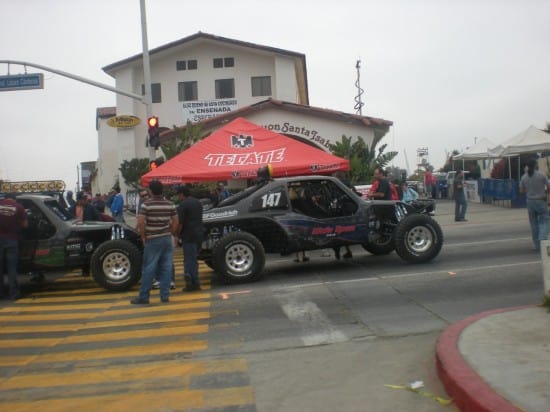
(186, 65)
(181, 65)
(225, 88)
(261, 86)
(223, 62)
(187, 91)
(156, 95)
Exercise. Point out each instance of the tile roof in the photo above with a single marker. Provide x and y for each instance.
(376, 123)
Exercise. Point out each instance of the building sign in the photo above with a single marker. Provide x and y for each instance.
(301, 131)
(198, 110)
(123, 122)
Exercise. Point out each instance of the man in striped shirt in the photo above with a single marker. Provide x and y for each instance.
(157, 223)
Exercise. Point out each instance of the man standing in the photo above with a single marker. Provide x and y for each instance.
(535, 185)
(429, 183)
(461, 205)
(12, 219)
(191, 232)
(382, 189)
(156, 224)
(117, 207)
(223, 193)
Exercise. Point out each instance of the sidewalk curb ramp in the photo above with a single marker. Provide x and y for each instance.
(468, 390)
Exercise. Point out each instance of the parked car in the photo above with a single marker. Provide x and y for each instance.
(54, 240)
(276, 216)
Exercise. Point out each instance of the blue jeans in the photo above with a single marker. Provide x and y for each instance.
(9, 251)
(191, 262)
(119, 217)
(158, 256)
(538, 219)
(461, 205)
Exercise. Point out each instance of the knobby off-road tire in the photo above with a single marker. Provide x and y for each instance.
(116, 265)
(418, 238)
(383, 246)
(238, 257)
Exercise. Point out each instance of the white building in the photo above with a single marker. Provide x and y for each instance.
(213, 79)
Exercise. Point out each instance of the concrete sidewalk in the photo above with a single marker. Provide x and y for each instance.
(498, 360)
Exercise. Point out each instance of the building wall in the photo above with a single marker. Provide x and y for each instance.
(117, 145)
(130, 143)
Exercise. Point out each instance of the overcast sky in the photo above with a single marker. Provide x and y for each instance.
(445, 72)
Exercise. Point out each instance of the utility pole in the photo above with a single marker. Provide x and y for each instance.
(147, 99)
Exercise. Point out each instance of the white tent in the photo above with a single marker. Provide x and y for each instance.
(478, 151)
(531, 140)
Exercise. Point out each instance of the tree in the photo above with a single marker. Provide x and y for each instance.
(186, 137)
(132, 170)
(363, 160)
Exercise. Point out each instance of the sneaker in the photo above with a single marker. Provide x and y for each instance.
(156, 284)
(172, 285)
(139, 301)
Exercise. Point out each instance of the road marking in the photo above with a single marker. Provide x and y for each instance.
(79, 349)
(316, 326)
(438, 272)
(137, 402)
(157, 370)
(227, 295)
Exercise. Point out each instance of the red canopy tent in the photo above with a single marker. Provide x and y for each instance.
(238, 150)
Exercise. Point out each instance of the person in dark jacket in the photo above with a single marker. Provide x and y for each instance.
(191, 231)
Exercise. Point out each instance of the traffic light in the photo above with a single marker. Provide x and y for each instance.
(153, 164)
(153, 125)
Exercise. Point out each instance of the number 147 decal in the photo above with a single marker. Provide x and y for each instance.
(271, 199)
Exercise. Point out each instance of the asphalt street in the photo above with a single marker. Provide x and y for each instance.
(318, 336)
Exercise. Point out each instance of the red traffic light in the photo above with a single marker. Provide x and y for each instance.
(153, 122)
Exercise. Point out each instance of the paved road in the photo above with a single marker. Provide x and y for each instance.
(320, 336)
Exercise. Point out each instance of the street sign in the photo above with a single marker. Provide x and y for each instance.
(22, 82)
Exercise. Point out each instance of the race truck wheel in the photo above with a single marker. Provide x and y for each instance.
(238, 257)
(418, 238)
(116, 265)
(381, 246)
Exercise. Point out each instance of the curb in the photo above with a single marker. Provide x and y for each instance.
(468, 390)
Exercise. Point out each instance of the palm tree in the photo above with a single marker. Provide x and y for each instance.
(186, 137)
(363, 159)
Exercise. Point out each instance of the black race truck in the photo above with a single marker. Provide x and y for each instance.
(111, 252)
(287, 215)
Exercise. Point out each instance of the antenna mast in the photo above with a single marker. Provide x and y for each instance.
(358, 103)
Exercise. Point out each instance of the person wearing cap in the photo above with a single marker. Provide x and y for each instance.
(535, 185)
(191, 232)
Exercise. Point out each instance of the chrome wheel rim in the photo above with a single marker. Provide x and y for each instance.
(419, 239)
(239, 258)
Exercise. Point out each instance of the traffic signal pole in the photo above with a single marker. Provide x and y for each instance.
(78, 78)
(147, 100)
